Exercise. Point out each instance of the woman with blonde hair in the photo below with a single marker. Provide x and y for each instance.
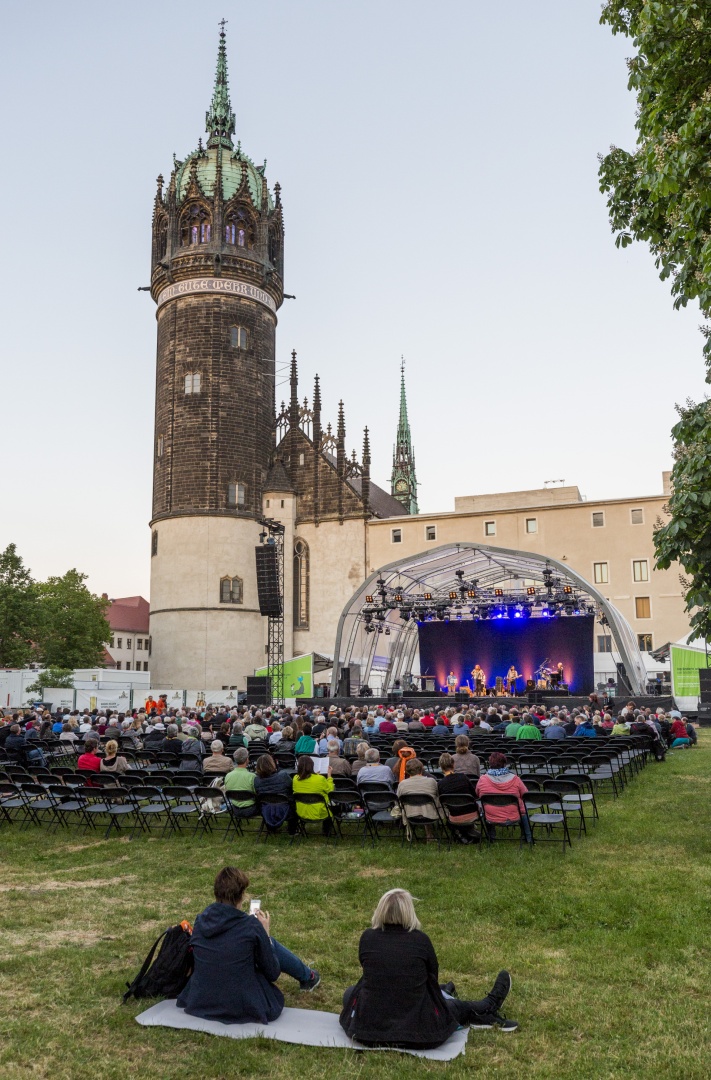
(398, 1001)
(112, 762)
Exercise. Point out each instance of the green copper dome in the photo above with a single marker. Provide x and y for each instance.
(234, 164)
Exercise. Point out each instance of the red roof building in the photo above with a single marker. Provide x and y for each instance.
(130, 645)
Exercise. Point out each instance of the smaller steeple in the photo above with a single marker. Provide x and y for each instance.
(219, 119)
(403, 480)
(365, 479)
(294, 385)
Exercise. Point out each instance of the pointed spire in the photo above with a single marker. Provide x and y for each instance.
(403, 481)
(219, 119)
(294, 384)
(317, 412)
(365, 480)
(341, 441)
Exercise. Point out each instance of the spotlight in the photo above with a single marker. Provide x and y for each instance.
(453, 595)
(531, 591)
(568, 590)
(398, 598)
(405, 615)
(427, 596)
(369, 599)
(471, 593)
(498, 592)
(459, 574)
(387, 629)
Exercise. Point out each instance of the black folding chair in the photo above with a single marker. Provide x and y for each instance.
(315, 798)
(545, 813)
(414, 818)
(515, 822)
(347, 810)
(378, 806)
(462, 812)
(278, 799)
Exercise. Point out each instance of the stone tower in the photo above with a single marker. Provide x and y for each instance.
(403, 481)
(217, 267)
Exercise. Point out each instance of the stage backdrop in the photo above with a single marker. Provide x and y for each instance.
(495, 644)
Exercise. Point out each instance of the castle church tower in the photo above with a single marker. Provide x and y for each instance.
(403, 481)
(217, 267)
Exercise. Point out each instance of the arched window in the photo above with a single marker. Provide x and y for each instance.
(195, 226)
(239, 228)
(162, 237)
(231, 590)
(238, 337)
(301, 585)
(274, 248)
(192, 382)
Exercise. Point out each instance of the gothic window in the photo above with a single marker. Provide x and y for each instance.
(154, 544)
(235, 495)
(274, 247)
(162, 237)
(160, 446)
(195, 226)
(301, 585)
(239, 229)
(238, 337)
(231, 590)
(192, 382)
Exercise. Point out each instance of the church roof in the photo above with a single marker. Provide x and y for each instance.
(382, 504)
(234, 164)
(278, 479)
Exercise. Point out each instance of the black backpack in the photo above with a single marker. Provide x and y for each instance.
(171, 969)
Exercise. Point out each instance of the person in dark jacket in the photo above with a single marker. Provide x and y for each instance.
(268, 780)
(398, 1001)
(236, 962)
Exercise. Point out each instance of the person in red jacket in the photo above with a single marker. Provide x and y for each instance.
(89, 761)
(499, 780)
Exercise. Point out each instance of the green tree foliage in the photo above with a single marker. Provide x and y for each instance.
(661, 195)
(18, 610)
(73, 627)
(54, 677)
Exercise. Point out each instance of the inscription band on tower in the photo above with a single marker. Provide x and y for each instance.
(225, 286)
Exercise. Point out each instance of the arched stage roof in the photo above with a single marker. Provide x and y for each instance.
(446, 570)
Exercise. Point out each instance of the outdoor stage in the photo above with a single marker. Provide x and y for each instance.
(464, 703)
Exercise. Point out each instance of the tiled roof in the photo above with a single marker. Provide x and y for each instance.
(129, 613)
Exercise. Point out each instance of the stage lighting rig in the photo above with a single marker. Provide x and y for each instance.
(531, 590)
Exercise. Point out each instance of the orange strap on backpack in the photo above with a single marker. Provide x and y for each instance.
(406, 753)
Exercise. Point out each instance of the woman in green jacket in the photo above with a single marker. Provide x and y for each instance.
(305, 744)
(307, 782)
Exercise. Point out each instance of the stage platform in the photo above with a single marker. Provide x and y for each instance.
(539, 697)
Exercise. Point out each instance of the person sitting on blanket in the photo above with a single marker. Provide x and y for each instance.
(398, 1001)
(236, 962)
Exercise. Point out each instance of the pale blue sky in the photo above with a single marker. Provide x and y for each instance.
(439, 178)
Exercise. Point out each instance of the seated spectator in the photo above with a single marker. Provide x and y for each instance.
(113, 728)
(338, 765)
(400, 722)
(499, 780)
(20, 750)
(350, 743)
(621, 727)
(305, 744)
(416, 783)
(268, 780)
(155, 737)
(236, 962)
(241, 780)
(512, 729)
(554, 730)
(607, 723)
(307, 782)
(454, 783)
(372, 770)
(528, 730)
(286, 743)
(237, 736)
(361, 750)
(441, 726)
(428, 720)
(171, 743)
(330, 733)
(67, 735)
(678, 732)
(416, 725)
(393, 762)
(89, 761)
(256, 729)
(192, 751)
(464, 760)
(457, 725)
(398, 1001)
(217, 764)
(586, 728)
(112, 762)
(276, 735)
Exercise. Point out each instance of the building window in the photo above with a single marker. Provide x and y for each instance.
(154, 542)
(600, 573)
(531, 525)
(159, 447)
(430, 532)
(128, 642)
(642, 607)
(301, 459)
(282, 504)
(235, 495)
(192, 382)
(231, 590)
(489, 528)
(396, 536)
(637, 517)
(239, 229)
(604, 643)
(128, 665)
(267, 504)
(119, 643)
(640, 570)
(598, 519)
(148, 646)
(139, 642)
(238, 337)
(301, 585)
(118, 665)
(645, 642)
(195, 227)
(145, 665)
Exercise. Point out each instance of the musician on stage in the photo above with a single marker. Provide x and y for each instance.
(556, 676)
(479, 679)
(451, 683)
(511, 676)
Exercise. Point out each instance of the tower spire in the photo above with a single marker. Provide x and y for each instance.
(219, 119)
(403, 481)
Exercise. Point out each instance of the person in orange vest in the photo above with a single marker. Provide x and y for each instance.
(162, 703)
(151, 704)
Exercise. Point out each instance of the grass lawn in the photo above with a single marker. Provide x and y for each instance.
(608, 946)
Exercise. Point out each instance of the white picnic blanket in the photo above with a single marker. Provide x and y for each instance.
(308, 1027)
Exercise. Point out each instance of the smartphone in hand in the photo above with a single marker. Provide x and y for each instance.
(254, 906)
